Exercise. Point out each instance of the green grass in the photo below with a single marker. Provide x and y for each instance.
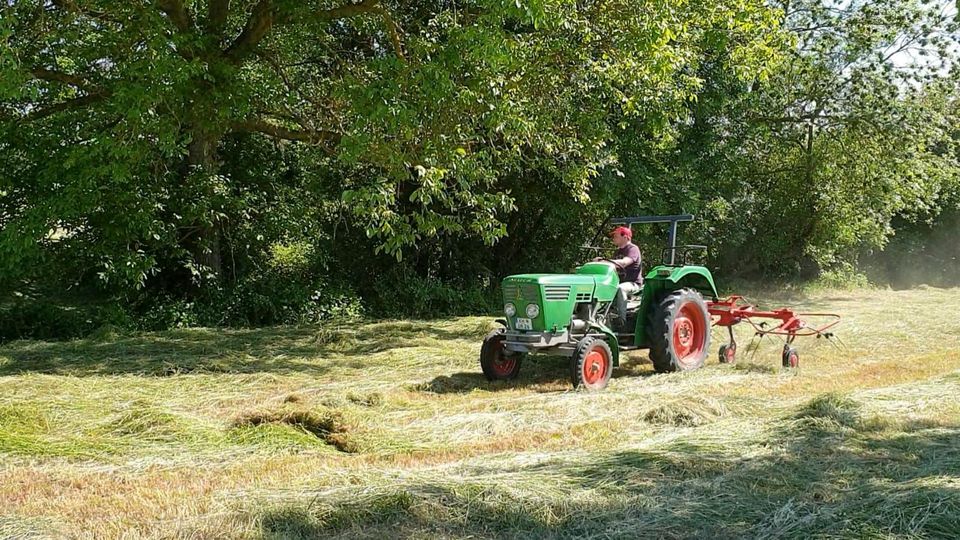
(389, 430)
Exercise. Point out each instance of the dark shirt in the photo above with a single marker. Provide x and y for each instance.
(632, 271)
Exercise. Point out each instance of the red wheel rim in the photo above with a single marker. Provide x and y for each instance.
(730, 353)
(689, 332)
(595, 366)
(793, 359)
(502, 364)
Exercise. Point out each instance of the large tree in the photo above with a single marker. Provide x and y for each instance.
(810, 168)
(115, 113)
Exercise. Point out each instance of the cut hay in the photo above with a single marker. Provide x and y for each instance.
(324, 424)
(248, 437)
(690, 412)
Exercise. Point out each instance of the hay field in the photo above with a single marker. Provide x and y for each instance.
(388, 430)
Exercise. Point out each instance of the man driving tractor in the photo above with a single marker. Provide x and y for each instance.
(627, 261)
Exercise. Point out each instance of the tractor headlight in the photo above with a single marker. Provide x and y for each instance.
(533, 310)
(510, 309)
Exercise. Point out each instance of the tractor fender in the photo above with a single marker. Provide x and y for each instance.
(611, 341)
(693, 277)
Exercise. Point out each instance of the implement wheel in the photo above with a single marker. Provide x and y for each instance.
(496, 361)
(680, 332)
(591, 364)
(728, 353)
(790, 357)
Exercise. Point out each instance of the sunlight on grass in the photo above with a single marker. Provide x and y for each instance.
(387, 429)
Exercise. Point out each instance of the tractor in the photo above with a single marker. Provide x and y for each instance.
(570, 315)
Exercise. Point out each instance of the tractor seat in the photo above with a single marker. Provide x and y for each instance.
(634, 299)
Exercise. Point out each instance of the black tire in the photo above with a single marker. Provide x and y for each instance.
(591, 364)
(496, 362)
(669, 352)
(728, 353)
(790, 357)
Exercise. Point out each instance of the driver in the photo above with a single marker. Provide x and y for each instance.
(627, 261)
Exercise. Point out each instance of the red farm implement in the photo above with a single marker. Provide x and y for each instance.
(734, 310)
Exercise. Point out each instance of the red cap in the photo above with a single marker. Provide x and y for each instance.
(625, 231)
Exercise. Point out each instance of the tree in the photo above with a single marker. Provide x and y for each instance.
(812, 167)
(115, 113)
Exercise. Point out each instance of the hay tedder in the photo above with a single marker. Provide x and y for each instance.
(570, 315)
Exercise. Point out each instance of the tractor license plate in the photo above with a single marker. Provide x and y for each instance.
(524, 324)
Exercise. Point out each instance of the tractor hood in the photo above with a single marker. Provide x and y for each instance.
(555, 295)
(592, 273)
(552, 279)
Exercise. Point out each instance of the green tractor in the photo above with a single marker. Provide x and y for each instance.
(569, 315)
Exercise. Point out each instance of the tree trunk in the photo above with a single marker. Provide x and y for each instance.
(202, 159)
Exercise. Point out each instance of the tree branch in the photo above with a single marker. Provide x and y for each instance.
(324, 137)
(74, 103)
(72, 7)
(348, 10)
(368, 6)
(392, 30)
(177, 13)
(265, 15)
(58, 76)
(217, 13)
(257, 26)
(278, 69)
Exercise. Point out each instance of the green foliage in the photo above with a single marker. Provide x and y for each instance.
(854, 128)
(419, 131)
(277, 162)
(403, 293)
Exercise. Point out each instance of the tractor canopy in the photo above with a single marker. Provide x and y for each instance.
(547, 301)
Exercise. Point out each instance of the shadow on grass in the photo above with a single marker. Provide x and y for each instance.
(312, 349)
(826, 471)
(542, 374)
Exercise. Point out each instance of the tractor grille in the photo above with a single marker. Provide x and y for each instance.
(556, 292)
(528, 291)
(584, 297)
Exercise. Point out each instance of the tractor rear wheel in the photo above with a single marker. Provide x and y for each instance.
(496, 361)
(591, 364)
(679, 332)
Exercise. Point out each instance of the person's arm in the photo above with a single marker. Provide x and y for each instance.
(632, 256)
(622, 262)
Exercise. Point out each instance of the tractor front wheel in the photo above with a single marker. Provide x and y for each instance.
(680, 332)
(591, 364)
(496, 361)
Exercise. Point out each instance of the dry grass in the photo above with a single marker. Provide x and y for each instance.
(389, 430)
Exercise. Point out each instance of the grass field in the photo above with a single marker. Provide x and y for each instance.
(388, 430)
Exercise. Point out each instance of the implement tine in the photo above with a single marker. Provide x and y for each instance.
(830, 338)
(754, 353)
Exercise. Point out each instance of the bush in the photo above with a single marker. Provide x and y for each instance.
(43, 317)
(844, 277)
(402, 293)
